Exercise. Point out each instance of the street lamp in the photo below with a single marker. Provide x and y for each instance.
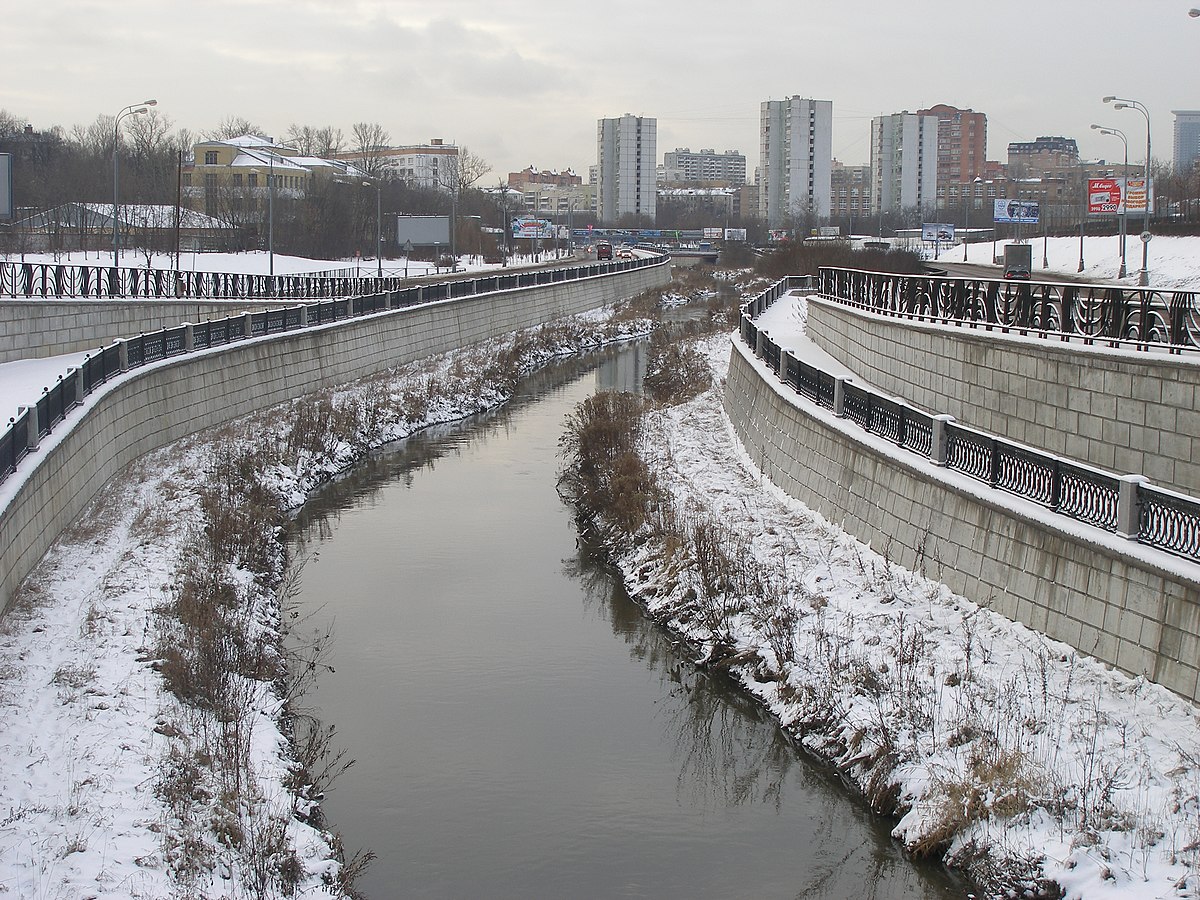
(378, 225)
(1124, 171)
(970, 203)
(270, 213)
(1119, 103)
(135, 109)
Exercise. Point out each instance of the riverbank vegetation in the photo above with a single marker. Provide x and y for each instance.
(1035, 770)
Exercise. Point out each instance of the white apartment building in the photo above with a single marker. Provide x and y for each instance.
(904, 152)
(796, 159)
(684, 166)
(626, 168)
(420, 165)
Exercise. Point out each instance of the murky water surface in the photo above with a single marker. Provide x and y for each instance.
(520, 730)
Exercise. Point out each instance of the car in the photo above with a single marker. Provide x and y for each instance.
(1016, 274)
(624, 253)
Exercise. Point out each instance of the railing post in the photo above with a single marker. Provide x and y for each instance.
(939, 447)
(123, 355)
(247, 325)
(80, 393)
(303, 307)
(839, 397)
(31, 441)
(759, 339)
(189, 337)
(1128, 518)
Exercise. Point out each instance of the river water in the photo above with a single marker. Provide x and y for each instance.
(519, 729)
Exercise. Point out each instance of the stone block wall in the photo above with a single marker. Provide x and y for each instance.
(1129, 412)
(1130, 606)
(149, 407)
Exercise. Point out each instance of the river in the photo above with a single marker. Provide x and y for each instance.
(520, 730)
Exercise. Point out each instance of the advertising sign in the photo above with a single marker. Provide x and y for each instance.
(527, 227)
(1104, 196)
(735, 234)
(778, 235)
(1135, 195)
(423, 231)
(937, 233)
(1020, 211)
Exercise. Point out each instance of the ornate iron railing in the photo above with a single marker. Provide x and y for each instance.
(1160, 518)
(31, 280)
(1114, 315)
(39, 418)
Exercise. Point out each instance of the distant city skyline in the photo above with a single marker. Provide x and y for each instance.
(525, 84)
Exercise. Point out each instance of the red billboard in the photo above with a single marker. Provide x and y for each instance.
(1104, 196)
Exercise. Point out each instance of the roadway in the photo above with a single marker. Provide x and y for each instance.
(981, 270)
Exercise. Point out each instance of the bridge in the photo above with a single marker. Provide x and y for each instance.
(1016, 468)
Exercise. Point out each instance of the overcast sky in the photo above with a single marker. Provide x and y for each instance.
(523, 83)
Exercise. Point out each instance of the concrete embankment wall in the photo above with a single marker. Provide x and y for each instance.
(31, 329)
(1127, 605)
(1129, 412)
(149, 407)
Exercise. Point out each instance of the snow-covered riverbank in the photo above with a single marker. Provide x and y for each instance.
(110, 785)
(1023, 758)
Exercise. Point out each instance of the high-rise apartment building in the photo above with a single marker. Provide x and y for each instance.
(683, 166)
(626, 168)
(904, 162)
(1187, 139)
(962, 146)
(795, 159)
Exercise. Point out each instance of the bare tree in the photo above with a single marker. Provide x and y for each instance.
(310, 141)
(458, 174)
(368, 141)
(231, 127)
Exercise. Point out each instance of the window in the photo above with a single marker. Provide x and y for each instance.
(237, 179)
(252, 179)
(210, 157)
(210, 182)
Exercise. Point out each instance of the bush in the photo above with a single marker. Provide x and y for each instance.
(807, 259)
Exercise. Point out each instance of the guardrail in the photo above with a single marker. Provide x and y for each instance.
(1127, 505)
(1116, 315)
(29, 280)
(35, 422)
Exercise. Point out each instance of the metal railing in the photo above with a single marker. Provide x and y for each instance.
(28, 280)
(1113, 315)
(36, 421)
(1126, 505)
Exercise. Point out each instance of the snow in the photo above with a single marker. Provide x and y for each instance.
(1070, 771)
(1111, 763)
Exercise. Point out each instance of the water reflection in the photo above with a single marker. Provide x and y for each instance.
(507, 745)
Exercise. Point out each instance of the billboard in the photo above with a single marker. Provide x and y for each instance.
(422, 231)
(937, 233)
(1021, 211)
(6, 200)
(710, 233)
(529, 227)
(1135, 195)
(1104, 196)
(735, 234)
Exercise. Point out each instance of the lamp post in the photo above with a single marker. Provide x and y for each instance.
(1119, 103)
(135, 109)
(378, 225)
(1124, 171)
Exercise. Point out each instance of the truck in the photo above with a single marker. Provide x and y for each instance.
(1018, 261)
